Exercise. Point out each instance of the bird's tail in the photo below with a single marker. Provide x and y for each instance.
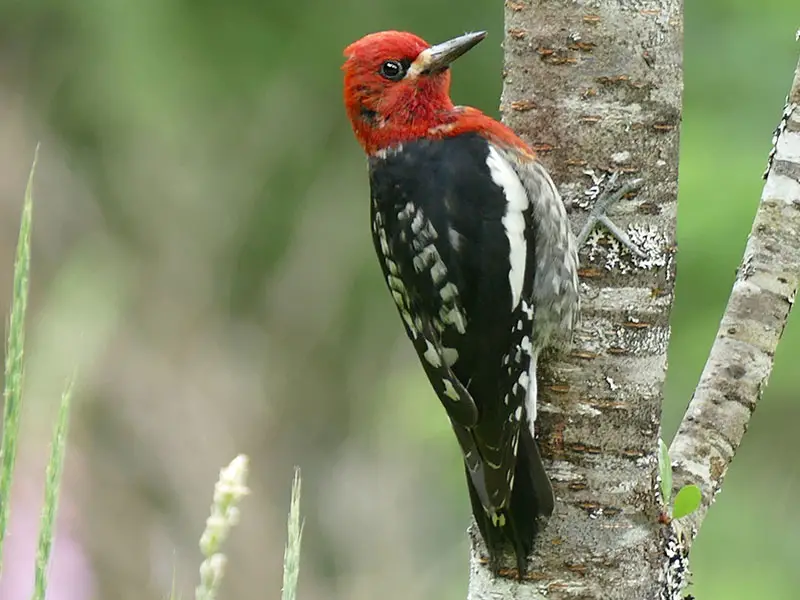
(514, 528)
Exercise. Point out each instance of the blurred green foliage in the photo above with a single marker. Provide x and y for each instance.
(225, 185)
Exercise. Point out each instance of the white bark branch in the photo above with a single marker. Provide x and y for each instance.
(741, 358)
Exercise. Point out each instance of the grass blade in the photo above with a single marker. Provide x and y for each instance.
(665, 471)
(55, 467)
(14, 368)
(291, 557)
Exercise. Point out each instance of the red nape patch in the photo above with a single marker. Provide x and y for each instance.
(468, 119)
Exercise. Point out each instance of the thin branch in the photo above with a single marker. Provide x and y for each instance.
(742, 355)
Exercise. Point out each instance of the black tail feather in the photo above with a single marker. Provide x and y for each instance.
(519, 523)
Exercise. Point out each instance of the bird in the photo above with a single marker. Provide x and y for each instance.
(478, 255)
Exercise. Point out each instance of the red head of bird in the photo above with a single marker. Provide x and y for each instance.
(397, 86)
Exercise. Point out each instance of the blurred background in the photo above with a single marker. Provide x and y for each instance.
(201, 254)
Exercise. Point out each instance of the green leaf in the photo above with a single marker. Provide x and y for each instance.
(687, 500)
(664, 471)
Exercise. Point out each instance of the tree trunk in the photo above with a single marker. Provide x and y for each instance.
(596, 89)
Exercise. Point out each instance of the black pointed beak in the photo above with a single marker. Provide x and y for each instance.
(438, 57)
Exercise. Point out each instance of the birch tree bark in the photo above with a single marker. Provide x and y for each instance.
(763, 294)
(598, 92)
(596, 88)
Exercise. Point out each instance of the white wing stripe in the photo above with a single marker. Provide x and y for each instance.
(517, 203)
(531, 398)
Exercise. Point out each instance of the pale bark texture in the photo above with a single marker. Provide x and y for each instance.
(596, 88)
(741, 359)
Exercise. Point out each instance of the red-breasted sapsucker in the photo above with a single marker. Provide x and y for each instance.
(479, 257)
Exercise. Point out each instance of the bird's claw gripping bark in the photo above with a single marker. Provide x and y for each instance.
(598, 214)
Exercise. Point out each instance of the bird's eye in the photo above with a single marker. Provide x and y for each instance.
(393, 70)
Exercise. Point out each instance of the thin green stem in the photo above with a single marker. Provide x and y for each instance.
(55, 467)
(14, 367)
(291, 557)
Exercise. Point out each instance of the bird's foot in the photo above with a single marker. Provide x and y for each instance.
(598, 214)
